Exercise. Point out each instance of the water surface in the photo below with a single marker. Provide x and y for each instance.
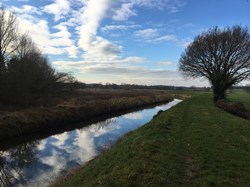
(39, 163)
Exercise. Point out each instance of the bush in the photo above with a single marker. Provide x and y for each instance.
(233, 108)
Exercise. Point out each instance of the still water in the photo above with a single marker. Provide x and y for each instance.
(39, 163)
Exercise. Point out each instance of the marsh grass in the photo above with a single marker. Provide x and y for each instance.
(88, 104)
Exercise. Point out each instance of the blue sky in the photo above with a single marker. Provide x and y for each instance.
(123, 41)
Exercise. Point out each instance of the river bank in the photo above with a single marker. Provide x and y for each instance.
(193, 144)
(91, 104)
(38, 162)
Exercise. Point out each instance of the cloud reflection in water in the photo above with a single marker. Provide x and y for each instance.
(52, 156)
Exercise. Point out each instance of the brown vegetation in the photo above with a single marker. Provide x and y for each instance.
(83, 105)
(237, 109)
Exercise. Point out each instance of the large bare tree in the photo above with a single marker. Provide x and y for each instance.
(220, 55)
(8, 31)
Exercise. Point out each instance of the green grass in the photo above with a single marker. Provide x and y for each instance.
(242, 97)
(192, 144)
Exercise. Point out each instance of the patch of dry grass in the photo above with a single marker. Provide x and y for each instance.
(83, 104)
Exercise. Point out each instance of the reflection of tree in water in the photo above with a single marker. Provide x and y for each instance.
(103, 124)
(13, 161)
(106, 140)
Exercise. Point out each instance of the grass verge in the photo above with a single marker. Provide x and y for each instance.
(192, 144)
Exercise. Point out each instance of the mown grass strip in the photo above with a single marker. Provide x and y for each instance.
(193, 144)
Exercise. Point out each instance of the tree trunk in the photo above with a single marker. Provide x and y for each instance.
(219, 92)
(2, 65)
(1, 71)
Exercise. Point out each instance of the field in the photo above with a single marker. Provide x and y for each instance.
(192, 144)
(64, 109)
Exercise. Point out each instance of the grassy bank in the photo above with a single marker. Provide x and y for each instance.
(192, 144)
(86, 104)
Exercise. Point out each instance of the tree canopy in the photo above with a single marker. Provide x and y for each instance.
(220, 55)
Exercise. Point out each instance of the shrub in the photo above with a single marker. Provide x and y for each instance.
(233, 108)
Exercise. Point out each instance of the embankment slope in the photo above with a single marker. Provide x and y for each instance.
(193, 144)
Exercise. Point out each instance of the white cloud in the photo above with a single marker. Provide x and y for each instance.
(133, 59)
(109, 28)
(162, 77)
(150, 3)
(72, 51)
(39, 31)
(26, 9)
(124, 73)
(153, 36)
(134, 116)
(59, 8)
(52, 50)
(89, 64)
(95, 47)
(50, 43)
(124, 9)
(164, 38)
(170, 6)
(174, 5)
(167, 63)
(124, 12)
(61, 38)
(100, 49)
(147, 33)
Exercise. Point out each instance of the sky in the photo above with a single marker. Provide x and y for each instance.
(123, 41)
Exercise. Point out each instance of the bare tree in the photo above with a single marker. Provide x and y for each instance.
(8, 27)
(29, 70)
(25, 47)
(24, 70)
(220, 55)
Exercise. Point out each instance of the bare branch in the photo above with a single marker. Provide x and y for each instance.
(8, 30)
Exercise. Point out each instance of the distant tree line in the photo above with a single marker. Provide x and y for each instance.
(24, 70)
(80, 85)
